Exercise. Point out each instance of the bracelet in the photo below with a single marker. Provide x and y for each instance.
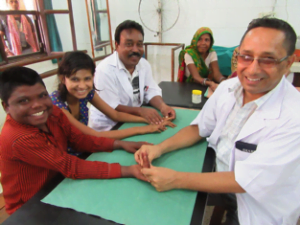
(204, 81)
(221, 79)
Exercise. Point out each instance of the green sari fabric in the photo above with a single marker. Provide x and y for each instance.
(192, 50)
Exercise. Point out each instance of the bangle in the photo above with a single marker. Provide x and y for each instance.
(204, 81)
(221, 79)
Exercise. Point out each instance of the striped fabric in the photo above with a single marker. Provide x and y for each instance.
(234, 124)
(31, 157)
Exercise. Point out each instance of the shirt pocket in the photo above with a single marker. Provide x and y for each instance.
(241, 155)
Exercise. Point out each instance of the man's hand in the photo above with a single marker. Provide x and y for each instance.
(168, 112)
(151, 115)
(152, 152)
(163, 179)
(133, 171)
(212, 85)
(129, 146)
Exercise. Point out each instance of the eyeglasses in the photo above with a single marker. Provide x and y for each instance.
(263, 62)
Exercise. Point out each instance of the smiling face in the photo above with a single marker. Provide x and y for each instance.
(262, 42)
(203, 44)
(130, 49)
(29, 105)
(79, 84)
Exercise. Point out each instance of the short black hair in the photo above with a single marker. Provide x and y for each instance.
(15, 77)
(127, 24)
(290, 35)
(70, 64)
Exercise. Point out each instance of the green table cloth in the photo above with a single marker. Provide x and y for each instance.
(131, 201)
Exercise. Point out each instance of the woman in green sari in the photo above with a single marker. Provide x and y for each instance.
(198, 62)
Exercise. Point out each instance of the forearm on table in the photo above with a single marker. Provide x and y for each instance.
(184, 138)
(120, 134)
(129, 109)
(95, 170)
(157, 102)
(217, 182)
(126, 117)
(88, 143)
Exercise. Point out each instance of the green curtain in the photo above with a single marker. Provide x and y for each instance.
(224, 58)
(54, 38)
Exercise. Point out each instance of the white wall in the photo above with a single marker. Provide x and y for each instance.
(227, 19)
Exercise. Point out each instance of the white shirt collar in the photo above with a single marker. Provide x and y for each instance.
(238, 90)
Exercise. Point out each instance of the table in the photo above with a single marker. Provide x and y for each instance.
(180, 94)
(36, 212)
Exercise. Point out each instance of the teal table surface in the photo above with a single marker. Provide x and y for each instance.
(131, 201)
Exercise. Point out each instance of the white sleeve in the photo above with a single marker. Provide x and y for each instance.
(152, 88)
(188, 59)
(106, 85)
(207, 118)
(274, 166)
(213, 57)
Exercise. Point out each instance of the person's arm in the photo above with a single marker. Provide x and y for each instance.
(32, 151)
(184, 138)
(164, 179)
(158, 103)
(151, 115)
(114, 114)
(217, 76)
(194, 72)
(114, 134)
(190, 64)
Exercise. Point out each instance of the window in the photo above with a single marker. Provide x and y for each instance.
(28, 28)
(31, 29)
(100, 30)
(19, 30)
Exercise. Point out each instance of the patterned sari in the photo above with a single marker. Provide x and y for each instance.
(197, 58)
(15, 34)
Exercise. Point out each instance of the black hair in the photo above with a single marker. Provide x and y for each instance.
(70, 64)
(290, 35)
(15, 77)
(127, 24)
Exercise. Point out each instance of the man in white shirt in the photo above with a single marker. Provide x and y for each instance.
(124, 80)
(253, 124)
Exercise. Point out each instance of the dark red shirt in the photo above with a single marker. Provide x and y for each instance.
(31, 157)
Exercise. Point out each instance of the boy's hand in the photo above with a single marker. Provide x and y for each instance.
(129, 146)
(133, 171)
